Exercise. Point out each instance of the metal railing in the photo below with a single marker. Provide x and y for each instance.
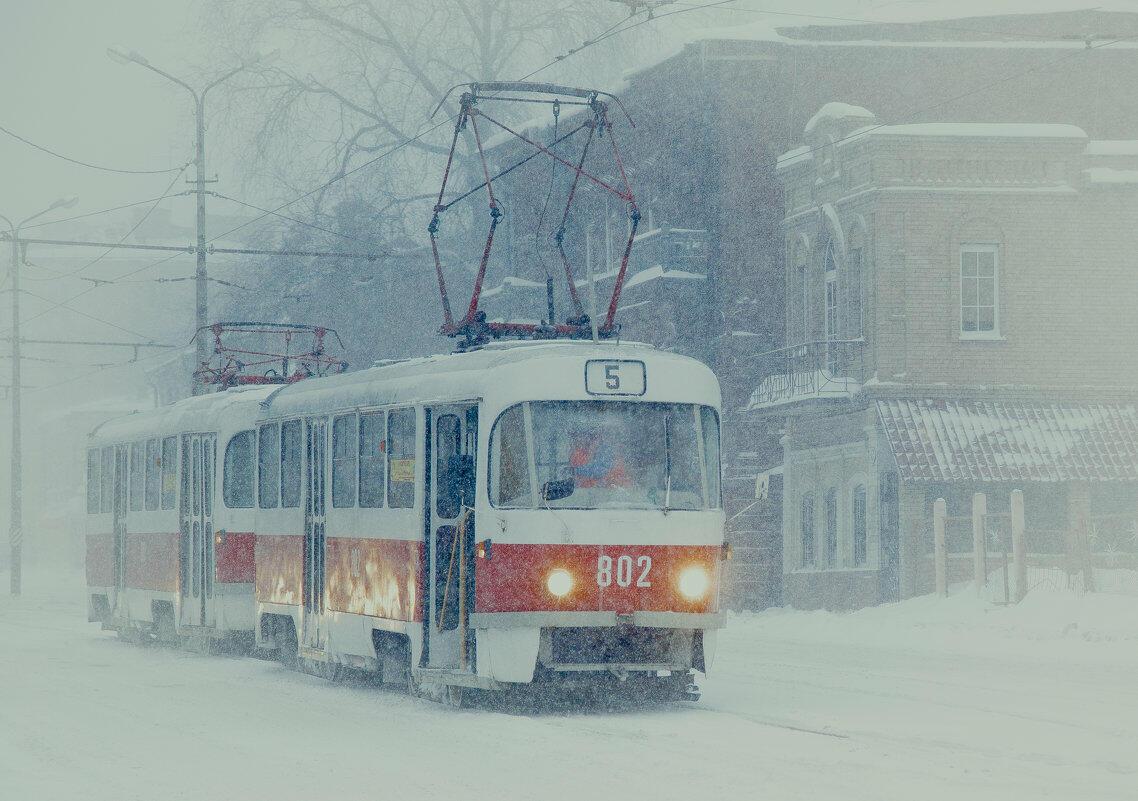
(822, 369)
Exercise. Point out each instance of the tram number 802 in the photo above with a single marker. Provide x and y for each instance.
(624, 571)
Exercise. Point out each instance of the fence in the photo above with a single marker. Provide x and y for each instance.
(1098, 551)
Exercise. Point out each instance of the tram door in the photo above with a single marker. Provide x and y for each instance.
(315, 504)
(119, 508)
(452, 445)
(196, 541)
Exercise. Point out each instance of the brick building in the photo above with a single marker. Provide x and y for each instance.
(959, 309)
(712, 120)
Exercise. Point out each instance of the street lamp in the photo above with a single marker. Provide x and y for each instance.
(123, 56)
(16, 531)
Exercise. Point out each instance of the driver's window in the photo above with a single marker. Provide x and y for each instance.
(509, 461)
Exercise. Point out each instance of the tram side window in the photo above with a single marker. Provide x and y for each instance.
(93, 481)
(709, 424)
(169, 471)
(153, 474)
(509, 460)
(290, 464)
(107, 480)
(372, 460)
(269, 466)
(137, 475)
(237, 478)
(401, 459)
(345, 440)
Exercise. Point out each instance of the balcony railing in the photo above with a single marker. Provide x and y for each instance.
(832, 368)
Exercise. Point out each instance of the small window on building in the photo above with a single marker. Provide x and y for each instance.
(831, 527)
(269, 466)
(93, 481)
(806, 529)
(859, 525)
(169, 472)
(153, 474)
(345, 441)
(237, 476)
(401, 459)
(107, 480)
(509, 460)
(979, 291)
(373, 458)
(137, 476)
(290, 464)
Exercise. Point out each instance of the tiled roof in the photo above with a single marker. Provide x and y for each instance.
(968, 441)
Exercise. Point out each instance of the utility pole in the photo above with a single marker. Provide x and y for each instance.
(201, 310)
(16, 529)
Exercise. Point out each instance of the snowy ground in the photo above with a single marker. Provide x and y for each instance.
(923, 700)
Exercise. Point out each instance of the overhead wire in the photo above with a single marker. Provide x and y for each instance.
(82, 163)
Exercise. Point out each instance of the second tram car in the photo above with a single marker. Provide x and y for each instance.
(525, 513)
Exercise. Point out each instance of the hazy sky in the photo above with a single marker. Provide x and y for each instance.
(63, 92)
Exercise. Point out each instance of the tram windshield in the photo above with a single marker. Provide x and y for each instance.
(605, 455)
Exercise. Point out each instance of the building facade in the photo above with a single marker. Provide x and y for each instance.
(711, 122)
(959, 316)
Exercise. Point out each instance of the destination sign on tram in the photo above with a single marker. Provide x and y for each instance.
(615, 377)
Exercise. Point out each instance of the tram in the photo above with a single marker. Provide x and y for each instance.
(526, 513)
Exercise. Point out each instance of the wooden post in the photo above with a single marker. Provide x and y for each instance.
(1078, 513)
(1019, 544)
(940, 555)
(979, 540)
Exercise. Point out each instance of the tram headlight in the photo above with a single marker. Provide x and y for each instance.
(694, 582)
(559, 582)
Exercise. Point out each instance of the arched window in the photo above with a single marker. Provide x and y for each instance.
(806, 523)
(855, 288)
(858, 527)
(831, 510)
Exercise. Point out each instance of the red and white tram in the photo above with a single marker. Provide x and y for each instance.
(525, 513)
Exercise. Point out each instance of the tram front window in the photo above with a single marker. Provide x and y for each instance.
(608, 455)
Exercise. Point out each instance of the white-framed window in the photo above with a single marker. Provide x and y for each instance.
(806, 523)
(979, 291)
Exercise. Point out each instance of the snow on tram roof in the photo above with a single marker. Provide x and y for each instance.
(197, 413)
(456, 376)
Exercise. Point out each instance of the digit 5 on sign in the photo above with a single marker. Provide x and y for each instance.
(624, 571)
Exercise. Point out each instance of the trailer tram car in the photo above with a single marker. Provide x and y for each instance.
(528, 513)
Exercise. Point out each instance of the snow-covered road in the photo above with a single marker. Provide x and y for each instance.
(923, 700)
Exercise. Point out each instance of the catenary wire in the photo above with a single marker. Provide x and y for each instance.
(81, 163)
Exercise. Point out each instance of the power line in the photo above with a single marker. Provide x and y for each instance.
(134, 227)
(82, 313)
(291, 219)
(51, 152)
(104, 211)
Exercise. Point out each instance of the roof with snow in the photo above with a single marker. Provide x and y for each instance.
(969, 441)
